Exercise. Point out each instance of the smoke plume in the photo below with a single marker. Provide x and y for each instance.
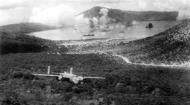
(102, 24)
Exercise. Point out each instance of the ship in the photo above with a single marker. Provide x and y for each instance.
(88, 35)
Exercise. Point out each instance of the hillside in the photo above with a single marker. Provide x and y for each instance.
(170, 46)
(127, 84)
(14, 39)
(127, 17)
(25, 28)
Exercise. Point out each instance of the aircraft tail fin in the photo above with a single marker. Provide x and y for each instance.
(48, 70)
(71, 70)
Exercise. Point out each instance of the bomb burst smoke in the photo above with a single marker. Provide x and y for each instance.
(101, 24)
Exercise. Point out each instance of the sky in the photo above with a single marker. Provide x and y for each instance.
(53, 12)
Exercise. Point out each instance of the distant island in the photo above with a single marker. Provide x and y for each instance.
(127, 17)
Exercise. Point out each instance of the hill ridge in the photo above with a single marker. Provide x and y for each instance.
(126, 17)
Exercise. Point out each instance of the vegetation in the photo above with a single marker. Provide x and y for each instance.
(168, 47)
(14, 39)
(124, 84)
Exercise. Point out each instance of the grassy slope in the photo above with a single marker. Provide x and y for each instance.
(58, 62)
(125, 84)
(170, 46)
(14, 38)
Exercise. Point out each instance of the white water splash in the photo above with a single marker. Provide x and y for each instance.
(184, 65)
(124, 58)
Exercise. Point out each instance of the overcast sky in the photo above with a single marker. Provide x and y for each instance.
(50, 11)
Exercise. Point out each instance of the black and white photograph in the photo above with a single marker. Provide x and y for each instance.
(94, 52)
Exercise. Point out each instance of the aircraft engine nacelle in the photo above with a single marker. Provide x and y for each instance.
(76, 80)
(60, 77)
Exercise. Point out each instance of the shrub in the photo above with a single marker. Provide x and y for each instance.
(12, 98)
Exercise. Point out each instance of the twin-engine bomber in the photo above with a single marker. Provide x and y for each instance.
(68, 75)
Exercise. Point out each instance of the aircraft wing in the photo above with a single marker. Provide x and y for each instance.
(46, 75)
(94, 77)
